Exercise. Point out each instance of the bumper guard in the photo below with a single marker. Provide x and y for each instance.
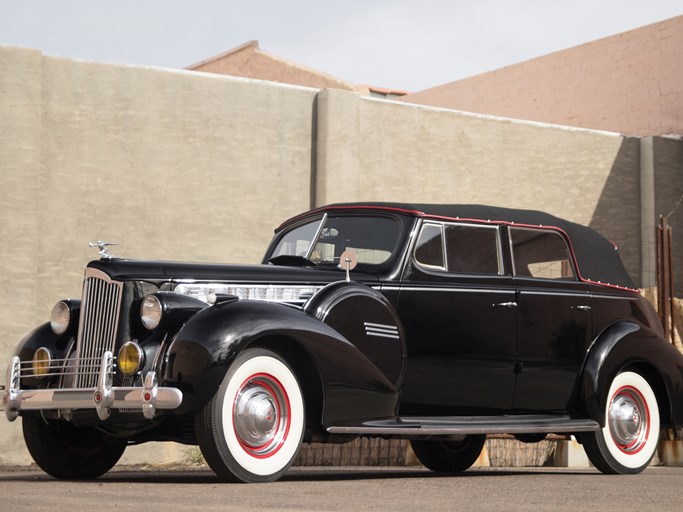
(103, 398)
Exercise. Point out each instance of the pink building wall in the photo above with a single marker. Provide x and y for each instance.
(249, 61)
(630, 83)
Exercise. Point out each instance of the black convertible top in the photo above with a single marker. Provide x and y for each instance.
(597, 258)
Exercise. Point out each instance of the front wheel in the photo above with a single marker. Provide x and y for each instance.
(629, 439)
(449, 456)
(69, 452)
(252, 428)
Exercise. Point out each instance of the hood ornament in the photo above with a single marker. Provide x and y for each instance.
(103, 249)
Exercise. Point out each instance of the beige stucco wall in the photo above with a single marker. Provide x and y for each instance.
(194, 166)
(388, 151)
(171, 164)
(20, 165)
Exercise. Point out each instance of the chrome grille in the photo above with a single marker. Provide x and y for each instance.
(98, 324)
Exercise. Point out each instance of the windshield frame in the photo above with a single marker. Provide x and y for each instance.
(396, 254)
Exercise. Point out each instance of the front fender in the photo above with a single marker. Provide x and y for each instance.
(629, 344)
(366, 318)
(43, 336)
(352, 386)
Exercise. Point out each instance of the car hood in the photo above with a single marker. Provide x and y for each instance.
(159, 271)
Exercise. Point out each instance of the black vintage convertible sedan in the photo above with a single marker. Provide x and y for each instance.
(434, 323)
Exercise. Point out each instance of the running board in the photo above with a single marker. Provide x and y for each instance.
(435, 426)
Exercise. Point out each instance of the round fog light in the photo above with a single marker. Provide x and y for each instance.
(130, 358)
(41, 362)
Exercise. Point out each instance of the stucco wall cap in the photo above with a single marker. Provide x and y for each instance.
(489, 117)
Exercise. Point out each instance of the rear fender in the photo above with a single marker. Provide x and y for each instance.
(627, 344)
(353, 387)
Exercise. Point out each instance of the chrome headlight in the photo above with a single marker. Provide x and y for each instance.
(151, 311)
(60, 317)
(42, 358)
(131, 358)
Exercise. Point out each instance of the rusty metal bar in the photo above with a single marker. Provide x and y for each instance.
(672, 295)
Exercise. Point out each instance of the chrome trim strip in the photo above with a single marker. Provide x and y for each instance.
(523, 291)
(385, 327)
(578, 294)
(444, 289)
(601, 296)
(381, 330)
(278, 293)
(378, 335)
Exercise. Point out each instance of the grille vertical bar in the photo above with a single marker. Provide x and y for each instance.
(100, 308)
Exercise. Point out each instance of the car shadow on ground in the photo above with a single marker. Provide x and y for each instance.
(203, 475)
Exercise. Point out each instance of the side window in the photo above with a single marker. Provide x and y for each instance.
(472, 249)
(540, 253)
(297, 241)
(429, 249)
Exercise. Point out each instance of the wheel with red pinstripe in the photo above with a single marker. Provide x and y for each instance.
(252, 429)
(630, 436)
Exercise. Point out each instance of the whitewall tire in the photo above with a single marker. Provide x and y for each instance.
(630, 436)
(252, 429)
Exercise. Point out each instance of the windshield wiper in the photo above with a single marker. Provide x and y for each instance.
(290, 260)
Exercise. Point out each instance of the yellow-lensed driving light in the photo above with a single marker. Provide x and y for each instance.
(130, 358)
(150, 312)
(60, 317)
(41, 362)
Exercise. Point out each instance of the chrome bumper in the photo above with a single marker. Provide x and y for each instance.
(103, 398)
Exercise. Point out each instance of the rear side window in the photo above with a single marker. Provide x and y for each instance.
(540, 253)
(472, 249)
(459, 248)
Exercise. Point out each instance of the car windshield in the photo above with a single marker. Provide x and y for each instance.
(322, 241)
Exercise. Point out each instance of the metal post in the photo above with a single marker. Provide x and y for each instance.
(665, 291)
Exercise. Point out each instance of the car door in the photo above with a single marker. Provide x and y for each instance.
(554, 320)
(455, 304)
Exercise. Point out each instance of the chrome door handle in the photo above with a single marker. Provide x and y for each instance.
(505, 305)
(582, 308)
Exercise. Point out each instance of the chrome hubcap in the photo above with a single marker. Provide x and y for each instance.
(628, 420)
(261, 415)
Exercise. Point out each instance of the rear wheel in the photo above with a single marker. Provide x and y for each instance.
(68, 452)
(252, 429)
(449, 456)
(629, 439)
